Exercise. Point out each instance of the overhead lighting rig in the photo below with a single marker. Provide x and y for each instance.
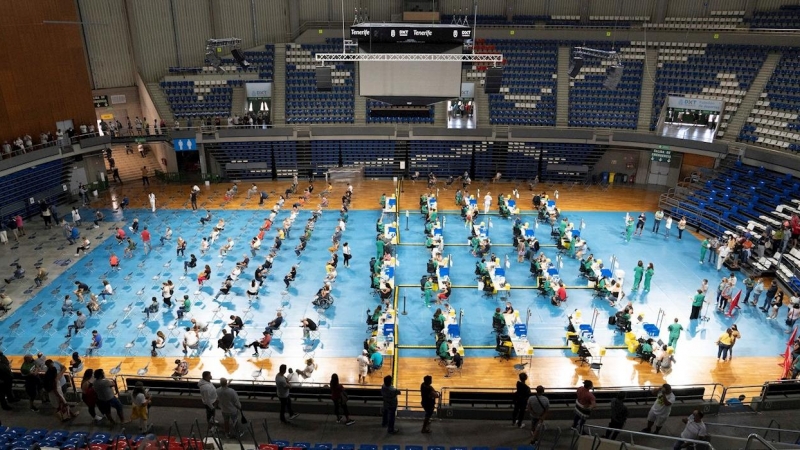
(613, 72)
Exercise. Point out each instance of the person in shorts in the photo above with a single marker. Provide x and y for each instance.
(538, 406)
(659, 412)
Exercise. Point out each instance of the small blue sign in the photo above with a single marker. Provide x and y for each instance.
(185, 144)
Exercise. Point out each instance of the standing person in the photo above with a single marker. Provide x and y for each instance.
(140, 407)
(283, 388)
(339, 397)
(758, 289)
(659, 412)
(487, 202)
(619, 415)
(713, 246)
(584, 404)
(722, 254)
(346, 254)
(681, 227)
(363, 367)
(538, 406)
(145, 177)
(675, 332)
(771, 292)
(106, 397)
(228, 401)
(152, 198)
(638, 271)
(389, 394)
(659, 216)
(704, 246)
(429, 396)
(208, 395)
(88, 395)
(640, 224)
(667, 227)
(648, 276)
(521, 396)
(749, 285)
(193, 199)
(695, 429)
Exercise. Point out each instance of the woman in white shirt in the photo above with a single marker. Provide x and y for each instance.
(667, 227)
(252, 291)
(107, 289)
(152, 198)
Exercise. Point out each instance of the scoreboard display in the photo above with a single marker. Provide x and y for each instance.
(403, 32)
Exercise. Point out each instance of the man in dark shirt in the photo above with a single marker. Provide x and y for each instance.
(236, 325)
(521, 396)
(225, 343)
(389, 394)
(429, 396)
(619, 415)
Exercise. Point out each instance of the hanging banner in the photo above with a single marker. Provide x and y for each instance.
(258, 90)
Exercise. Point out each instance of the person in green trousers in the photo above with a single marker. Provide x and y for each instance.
(704, 249)
(648, 276)
(428, 291)
(638, 271)
(628, 229)
(379, 245)
(674, 333)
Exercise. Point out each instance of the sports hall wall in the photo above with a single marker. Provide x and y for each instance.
(44, 77)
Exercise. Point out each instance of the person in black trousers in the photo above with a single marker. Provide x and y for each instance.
(193, 198)
(619, 415)
(521, 396)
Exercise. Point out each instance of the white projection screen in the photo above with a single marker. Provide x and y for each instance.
(410, 79)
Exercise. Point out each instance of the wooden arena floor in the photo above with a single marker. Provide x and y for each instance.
(557, 371)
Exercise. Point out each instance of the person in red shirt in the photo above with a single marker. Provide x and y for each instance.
(584, 404)
(263, 343)
(113, 260)
(146, 240)
(120, 235)
(561, 294)
(794, 223)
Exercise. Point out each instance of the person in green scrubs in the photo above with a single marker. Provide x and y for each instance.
(379, 247)
(704, 249)
(428, 291)
(638, 271)
(648, 276)
(629, 230)
(674, 333)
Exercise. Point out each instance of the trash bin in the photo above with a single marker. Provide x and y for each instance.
(604, 177)
(95, 194)
(208, 183)
(611, 177)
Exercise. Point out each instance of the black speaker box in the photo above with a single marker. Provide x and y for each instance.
(494, 78)
(239, 57)
(324, 81)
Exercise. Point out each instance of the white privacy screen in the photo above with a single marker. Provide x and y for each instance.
(409, 79)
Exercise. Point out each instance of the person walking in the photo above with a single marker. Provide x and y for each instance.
(659, 412)
(208, 395)
(389, 394)
(193, 199)
(648, 276)
(675, 332)
(681, 227)
(619, 415)
(145, 177)
(228, 401)
(283, 388)
(429, 396)
(704, 246)
(695, 429)
(538, 406)
(339, 397)
(521, 396)
(584, 404)
(346, 254)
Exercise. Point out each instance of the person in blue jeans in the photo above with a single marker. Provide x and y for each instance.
(389, 394)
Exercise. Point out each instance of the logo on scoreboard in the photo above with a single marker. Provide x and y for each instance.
(392, 33)
(455, 33)
(403, 33)
(359, 32)
(464, 34)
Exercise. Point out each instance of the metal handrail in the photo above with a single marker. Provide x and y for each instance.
(651, 436)
(758, 438)
(766, 429)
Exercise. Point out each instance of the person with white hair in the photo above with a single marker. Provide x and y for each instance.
(363, 367)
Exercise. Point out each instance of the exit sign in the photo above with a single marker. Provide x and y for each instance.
(661, 155)
(101, 101)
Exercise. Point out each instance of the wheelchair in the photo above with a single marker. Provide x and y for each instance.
(323, 302)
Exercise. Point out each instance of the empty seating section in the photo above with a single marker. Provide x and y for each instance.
(617, 21)
(787, 17)
(243, 160)
(773, 122)
(527, 95)
(304, 104)
(41, 181)
(445, 158)
(371, 104)
(285, 158)
(593, 105)
(743, 198)
(481, 19)
(707, 71)
(199, 98)
(559, 160)
(522, 160)
(716, 20)
(377, 157)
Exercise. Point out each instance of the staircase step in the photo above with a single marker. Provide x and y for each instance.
(562, 96)
(753, 94)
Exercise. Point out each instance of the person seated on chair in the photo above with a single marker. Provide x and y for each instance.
(80, 322)
(308, 370)
(308, 326)
(152, 308)
(290, 276)
(120, 235)
(192, 263)
(225, 289)
(66, 307)
(199, 326)
(186, 307)
(645, 350)
(375, 361)
(455, 362)
(615, 289)
(204, 276)
(225, 343)
(19, 273)
(93, 305)
(498, 320)
(159, 342)
(223, 251)
(509, 308)
(125, 202)
(437, 323)
(371, 346)
(5, 302)
(386, 291)
(375, 317)
(446, 290)
(190, 340)
(488, 286)
(275, 323)
(236, 324)
(444, 350)
(181, 369)
(95, 344)
(263, 343)
(561, 294)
